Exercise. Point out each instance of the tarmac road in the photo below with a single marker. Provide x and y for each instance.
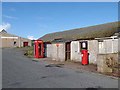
(21, 72)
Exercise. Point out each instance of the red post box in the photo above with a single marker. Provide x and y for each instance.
(38, 49)
(85, 57)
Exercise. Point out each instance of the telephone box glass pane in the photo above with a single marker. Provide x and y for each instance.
(39, 49)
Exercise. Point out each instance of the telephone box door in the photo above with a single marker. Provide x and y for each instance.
(38, 49)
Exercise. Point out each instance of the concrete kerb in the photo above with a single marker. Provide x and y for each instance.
(38, 59)
(101, 74)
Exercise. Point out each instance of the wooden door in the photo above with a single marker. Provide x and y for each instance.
(67, 51)
(25, 44)
(45, 50)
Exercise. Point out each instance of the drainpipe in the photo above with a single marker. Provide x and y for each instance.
(19, 42)
(112, 44)
(57, 53)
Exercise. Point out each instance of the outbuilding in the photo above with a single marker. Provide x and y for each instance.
(66, 45)
(10, 40)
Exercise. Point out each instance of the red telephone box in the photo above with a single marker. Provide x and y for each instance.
(38, 49)
(84, 57)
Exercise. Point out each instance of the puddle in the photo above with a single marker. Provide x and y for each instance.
(91, 88)
(53, 76)
(35, 60)
(78, 71)
(94, 88)
(43, 77)
(15, 83)
(54, 65)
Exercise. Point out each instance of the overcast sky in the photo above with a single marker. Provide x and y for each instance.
(34, 20)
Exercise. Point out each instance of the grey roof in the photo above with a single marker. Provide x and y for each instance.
(3, 31)
(5, 34)
(98, 31)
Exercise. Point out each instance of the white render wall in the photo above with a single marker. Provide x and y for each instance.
(108, 46)
(119, 45)
(9, 41)
(21, 40)
(56, 53)
(75, 51)
(93, 51)
(49, 50)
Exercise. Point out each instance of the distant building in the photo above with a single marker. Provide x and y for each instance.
(10, 40)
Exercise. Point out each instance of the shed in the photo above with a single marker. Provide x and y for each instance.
(71, 39)
(10, 40)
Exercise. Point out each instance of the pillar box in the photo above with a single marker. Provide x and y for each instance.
(84, 51)
(85, 57)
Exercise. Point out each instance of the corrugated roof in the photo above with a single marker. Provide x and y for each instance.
(98, 31)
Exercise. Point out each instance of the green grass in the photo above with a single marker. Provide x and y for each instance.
(29, 51)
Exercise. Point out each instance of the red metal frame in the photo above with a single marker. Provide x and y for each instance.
(38, 49)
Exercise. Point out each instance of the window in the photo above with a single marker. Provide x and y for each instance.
(14, 42)
(84, 45)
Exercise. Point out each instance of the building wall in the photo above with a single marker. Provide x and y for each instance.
(22, 40)
(108, 52)
(108, 46)
(93, 51)
(8, 42)
(75, 51)
(49, 50)
(56, 53)
(119, 45)
(0, 42)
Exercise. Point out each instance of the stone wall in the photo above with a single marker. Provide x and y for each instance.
(107, 62)
(108, 55)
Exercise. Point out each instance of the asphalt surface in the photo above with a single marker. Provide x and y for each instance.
(21, 72)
